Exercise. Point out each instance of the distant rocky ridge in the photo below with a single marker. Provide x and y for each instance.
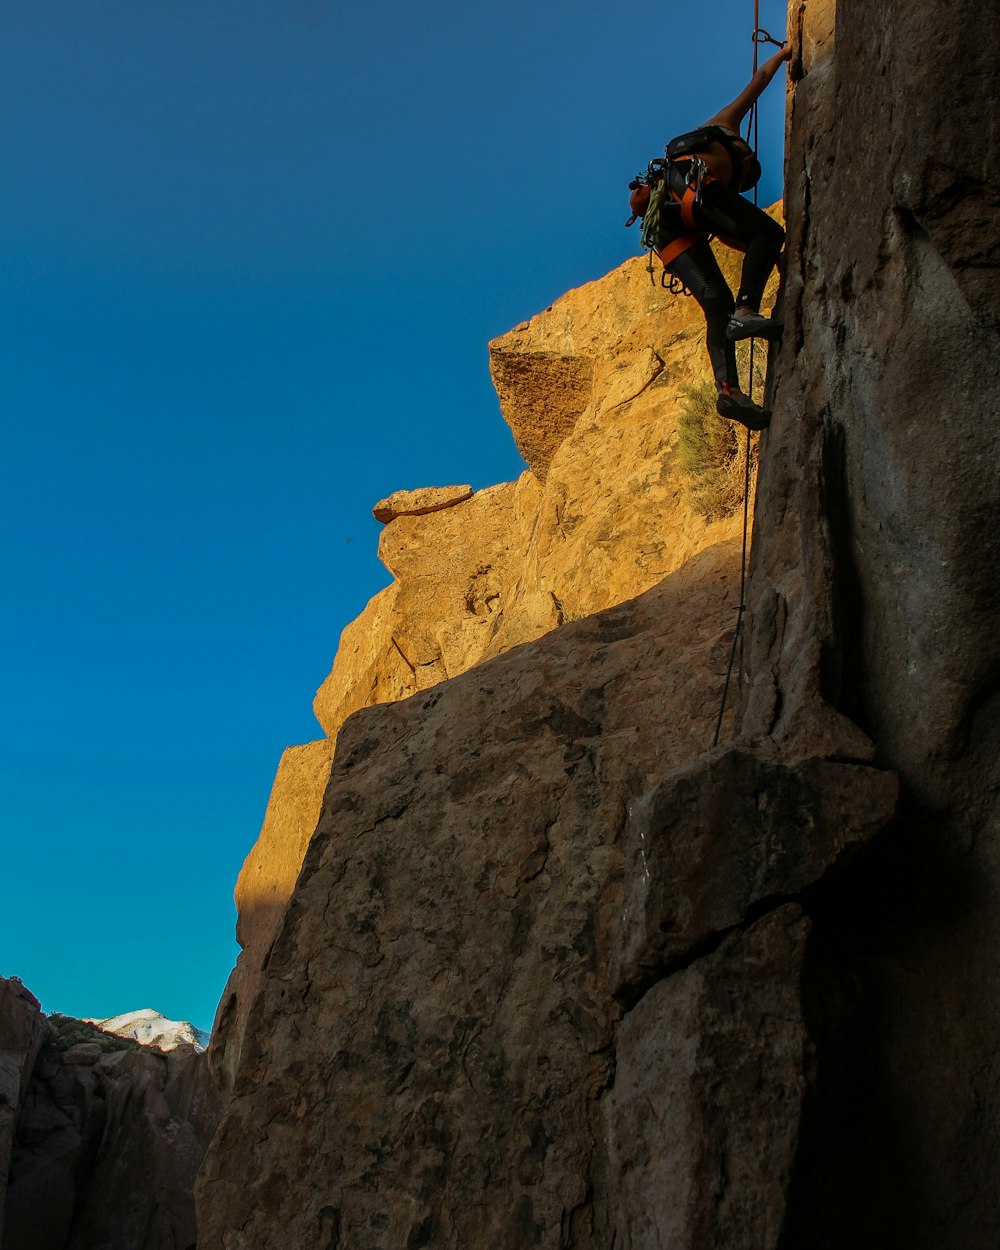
(100, 1137)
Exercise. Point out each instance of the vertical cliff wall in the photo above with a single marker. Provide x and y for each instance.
(552, 974)
(874, 598)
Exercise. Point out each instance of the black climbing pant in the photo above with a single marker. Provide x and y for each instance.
(723, 211)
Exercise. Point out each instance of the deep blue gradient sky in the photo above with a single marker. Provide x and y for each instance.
(252, 252)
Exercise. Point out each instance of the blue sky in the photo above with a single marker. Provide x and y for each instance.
(252, 253)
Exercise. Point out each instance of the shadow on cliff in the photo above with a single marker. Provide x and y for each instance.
(863, 1167)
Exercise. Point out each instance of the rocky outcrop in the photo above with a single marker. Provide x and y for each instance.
(104, 1139)
(433, 1045)
(419, 502)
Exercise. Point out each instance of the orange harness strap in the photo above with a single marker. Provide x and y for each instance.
(677, 247)
(687, 202)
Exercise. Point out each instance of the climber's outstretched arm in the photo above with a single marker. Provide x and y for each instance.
(733, 114)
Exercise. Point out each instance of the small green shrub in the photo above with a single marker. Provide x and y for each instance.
(66, 1031)
(712, 453)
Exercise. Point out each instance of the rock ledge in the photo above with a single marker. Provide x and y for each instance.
(419, 502)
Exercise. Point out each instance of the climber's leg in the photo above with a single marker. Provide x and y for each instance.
(726, 213)
(698, 269)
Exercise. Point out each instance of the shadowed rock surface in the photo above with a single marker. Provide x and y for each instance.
(440, 1039)
(709, 1083)
(105, 1138)
(22, 1035)
(874, 606)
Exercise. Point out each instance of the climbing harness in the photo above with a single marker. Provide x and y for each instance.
(657, 202)
(759, 36)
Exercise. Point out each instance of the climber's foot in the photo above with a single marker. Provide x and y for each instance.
(751, 325)
(736, 406)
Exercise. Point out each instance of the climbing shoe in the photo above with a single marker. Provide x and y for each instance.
(735, 406)
(753, 326)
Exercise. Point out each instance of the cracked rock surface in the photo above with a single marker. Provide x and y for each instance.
(707, 1100)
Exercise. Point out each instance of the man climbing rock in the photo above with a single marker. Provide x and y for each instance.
(702, 178)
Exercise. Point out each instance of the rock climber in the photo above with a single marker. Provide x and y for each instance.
(729, 167)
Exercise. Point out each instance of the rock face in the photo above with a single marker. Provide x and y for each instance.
(603, 515)
(709, 1083)
(554, 975)
(438, 987)
(101, 1140)
(873, 605)
(22, 1034)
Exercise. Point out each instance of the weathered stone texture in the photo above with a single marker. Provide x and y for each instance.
(487, 573)
(728, 834)
(709, 1080)
(434, 1035)
(873, 603)
(419, 502)
(802, 1050)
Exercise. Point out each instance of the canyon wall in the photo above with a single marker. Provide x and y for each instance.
(552, 973)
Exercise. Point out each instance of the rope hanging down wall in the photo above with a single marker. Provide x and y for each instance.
(759, 36)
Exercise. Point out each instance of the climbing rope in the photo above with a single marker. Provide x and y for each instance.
(741, 607)
(759, 36)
